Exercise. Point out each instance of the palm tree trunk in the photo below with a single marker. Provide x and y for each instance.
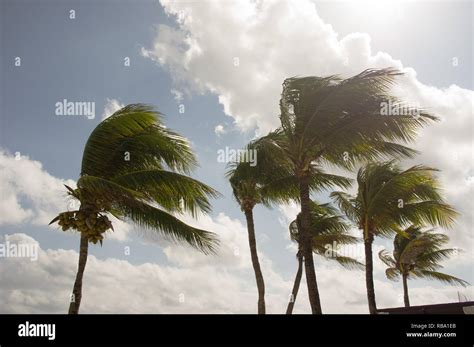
(255, 262)
(296, 285)
(307, 249)
(77, 290)
(406, 299)
(369, 273)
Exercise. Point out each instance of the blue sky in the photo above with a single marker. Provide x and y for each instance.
(82, 59)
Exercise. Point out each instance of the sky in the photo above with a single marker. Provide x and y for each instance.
(214, 69)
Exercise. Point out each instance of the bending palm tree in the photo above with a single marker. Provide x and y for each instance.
(388, 197)
(336, 121)
(134, 168)
(271, 181)
(327, 229)
(416, 254)
(254, 184)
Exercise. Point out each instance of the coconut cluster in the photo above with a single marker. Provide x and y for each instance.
(92, 224)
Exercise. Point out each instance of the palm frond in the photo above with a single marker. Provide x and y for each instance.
(392, 273)
(135, 131)
(346, 262)
(442, 277)
(154, 219)
(171, 190)
(386, 258)
(437, 256)
(346, 204)
(108, 190)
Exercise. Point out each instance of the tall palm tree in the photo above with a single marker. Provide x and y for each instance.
(417, 254)
(260, 182)
(389, 197)
(338, 121)
(271, 181)
(134, 168)
(328, 229)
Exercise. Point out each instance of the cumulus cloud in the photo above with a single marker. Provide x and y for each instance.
(177, 95)
(277, 39)
(233, 248)
(117, 286)
(111, 106)
(220, 130)
(29, 194)
(256, 46)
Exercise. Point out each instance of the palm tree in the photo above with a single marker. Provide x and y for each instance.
(338, 121)
(259, 183)
(134, 168)
(328, 229)
(416, 254)
(389, 197)
(271, 181)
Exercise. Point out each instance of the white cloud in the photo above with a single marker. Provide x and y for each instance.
(203, 57)
(178, 95)
(121, 230)
(288, 212)
(111, 106)
(220, 130)
(117, 286)
(44, 286)
(201, 53)
(29, 194)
